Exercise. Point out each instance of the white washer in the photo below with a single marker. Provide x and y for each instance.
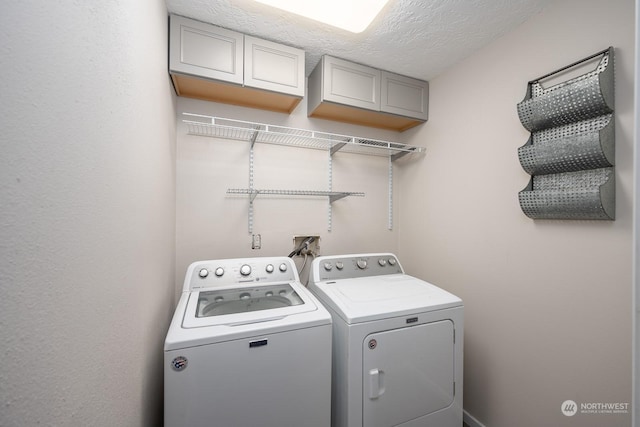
(397, 344)
(248, 346)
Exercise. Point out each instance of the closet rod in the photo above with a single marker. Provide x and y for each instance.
(571, 66)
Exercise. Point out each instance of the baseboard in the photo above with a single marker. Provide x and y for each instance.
(471, 421)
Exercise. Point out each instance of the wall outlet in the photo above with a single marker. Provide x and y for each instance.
(310, 248)
(256, 241)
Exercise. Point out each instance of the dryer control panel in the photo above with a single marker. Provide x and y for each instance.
(353, 266)
(229, 272)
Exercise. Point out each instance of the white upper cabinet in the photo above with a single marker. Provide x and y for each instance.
(216, 64)
(404, 96)
(272, 66)
(203, 50)
(344, 91)
(350, 84)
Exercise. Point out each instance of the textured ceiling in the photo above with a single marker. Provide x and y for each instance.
(415, 38)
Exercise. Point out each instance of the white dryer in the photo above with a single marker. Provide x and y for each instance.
(248, 346)
(397, 344)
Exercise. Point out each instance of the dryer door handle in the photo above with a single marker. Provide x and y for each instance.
(376, 383)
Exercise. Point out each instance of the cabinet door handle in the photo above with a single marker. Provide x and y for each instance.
(376, 383)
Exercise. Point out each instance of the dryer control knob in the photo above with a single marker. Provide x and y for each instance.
(328, 266)
(203, 273)
(339, 265)
(392, 261)
(362, 264)
(283, 267)
(269, 268)
(219, 271)
(382, 262)
(245, 270)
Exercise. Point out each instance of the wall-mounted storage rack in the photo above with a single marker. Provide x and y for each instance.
(217, 127)
(571, 152)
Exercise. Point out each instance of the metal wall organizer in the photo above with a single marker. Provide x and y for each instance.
(571, 152)
(217, 127)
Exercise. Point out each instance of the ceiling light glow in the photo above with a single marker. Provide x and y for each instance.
(350, 15)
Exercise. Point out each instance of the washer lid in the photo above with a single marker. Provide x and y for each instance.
(237, 306)
(371, 298)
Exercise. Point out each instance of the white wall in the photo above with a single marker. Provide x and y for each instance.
(212, 224)
(87, 214)
(547, 303)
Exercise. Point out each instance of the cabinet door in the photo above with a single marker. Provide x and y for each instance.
(404, 96)
(351, 84)
(273, 66)
(205, 50)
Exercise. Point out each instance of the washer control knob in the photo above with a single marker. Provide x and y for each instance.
(362, 264)
(203, 273)
(219, 271)
(245, 270)
(382, 262)
(283, 267)
(269, 268)
(392, 261)
(328, 266)
(339, 265)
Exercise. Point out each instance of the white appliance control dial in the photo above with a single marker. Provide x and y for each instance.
(245, 270)
(392, 261)
(203, 273)
(339, 265)
(283, 267)
(328, 266)
(382, 262)
(219, 271)
(269, 268)
(362, 264)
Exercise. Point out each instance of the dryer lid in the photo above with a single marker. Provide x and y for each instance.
(372, 298)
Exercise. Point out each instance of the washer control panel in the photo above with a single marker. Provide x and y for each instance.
(355, 265)
(228, 272)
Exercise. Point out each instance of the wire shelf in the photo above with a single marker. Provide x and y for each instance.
(217, 127)
(332, 195)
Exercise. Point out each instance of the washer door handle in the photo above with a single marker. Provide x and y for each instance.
(376, 383)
